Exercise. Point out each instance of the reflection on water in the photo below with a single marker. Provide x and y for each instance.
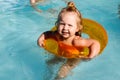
(119, 10)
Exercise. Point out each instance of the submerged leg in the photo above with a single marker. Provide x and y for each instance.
(55, 60)
(66, 68)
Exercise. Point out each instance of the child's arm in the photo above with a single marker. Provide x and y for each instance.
(33, 3)
(93, 45)
(43, 36)
(94, 48)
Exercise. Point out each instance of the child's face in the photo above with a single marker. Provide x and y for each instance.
(67, 26)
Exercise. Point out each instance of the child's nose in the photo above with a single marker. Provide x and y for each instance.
(66, 27)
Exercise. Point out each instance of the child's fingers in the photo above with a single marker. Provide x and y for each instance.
(42, 44)
(85, 57)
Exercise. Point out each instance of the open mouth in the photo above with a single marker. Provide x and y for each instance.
(65, 32)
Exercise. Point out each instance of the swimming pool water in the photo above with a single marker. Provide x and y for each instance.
(20, 26)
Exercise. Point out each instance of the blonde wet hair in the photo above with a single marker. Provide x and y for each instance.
(71, 8)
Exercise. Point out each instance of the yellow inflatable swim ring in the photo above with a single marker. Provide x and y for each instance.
(93, 29)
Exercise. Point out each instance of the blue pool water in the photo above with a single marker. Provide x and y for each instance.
(21, 25)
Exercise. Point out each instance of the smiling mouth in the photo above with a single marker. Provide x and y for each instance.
(65, 32)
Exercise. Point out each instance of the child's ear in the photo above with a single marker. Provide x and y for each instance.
(79, 28)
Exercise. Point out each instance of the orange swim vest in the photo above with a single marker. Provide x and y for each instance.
(64, 50)
(72, 51)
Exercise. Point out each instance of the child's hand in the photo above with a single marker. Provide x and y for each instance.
(41, 40)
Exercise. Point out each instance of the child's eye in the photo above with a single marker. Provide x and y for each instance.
(62, 23)
(70, 25)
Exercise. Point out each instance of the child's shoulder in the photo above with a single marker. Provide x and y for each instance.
(76, 38)
(80, 41)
